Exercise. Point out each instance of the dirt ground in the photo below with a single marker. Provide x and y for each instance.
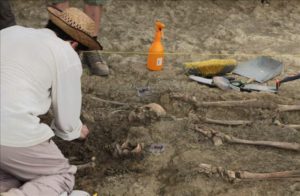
(193, 28)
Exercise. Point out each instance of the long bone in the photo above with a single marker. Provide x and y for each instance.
(239, 103)
(233, 176)
(218, 139)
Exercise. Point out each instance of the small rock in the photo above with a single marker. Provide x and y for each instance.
(295, 187)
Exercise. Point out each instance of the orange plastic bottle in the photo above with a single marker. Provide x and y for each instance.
(156, 51)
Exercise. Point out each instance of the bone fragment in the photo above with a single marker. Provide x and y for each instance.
(217, 141)
(107, 101)
(230, 139)
(229, 103)
(288, 108)
(125, 145)
(73, 159)
(292, 126)
(126, 150)
(228, 122)
(273, 175)
(86, 165)
(137, 150)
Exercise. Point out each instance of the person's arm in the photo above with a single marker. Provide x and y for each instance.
(66, 95)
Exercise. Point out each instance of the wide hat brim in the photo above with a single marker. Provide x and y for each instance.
(77, 34)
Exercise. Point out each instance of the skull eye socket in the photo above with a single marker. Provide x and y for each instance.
(147, 108)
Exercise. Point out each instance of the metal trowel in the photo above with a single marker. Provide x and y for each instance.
(224, 84)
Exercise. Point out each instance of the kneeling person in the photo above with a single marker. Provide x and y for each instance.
(40, 68)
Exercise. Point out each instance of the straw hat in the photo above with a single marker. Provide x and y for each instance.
(76, 24)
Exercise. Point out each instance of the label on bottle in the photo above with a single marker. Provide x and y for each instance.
(159, 61)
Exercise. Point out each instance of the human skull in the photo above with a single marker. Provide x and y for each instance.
(147, 113)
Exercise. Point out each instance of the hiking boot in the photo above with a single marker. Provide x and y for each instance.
(96, 65)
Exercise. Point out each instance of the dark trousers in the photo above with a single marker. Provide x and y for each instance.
(7, 18)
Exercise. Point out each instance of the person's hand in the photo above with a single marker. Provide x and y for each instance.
(84, 132)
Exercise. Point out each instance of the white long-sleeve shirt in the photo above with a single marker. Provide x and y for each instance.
(38, 69)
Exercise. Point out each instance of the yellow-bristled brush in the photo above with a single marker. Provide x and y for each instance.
(211, 67)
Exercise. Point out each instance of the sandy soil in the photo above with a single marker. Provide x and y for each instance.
(193, 27)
